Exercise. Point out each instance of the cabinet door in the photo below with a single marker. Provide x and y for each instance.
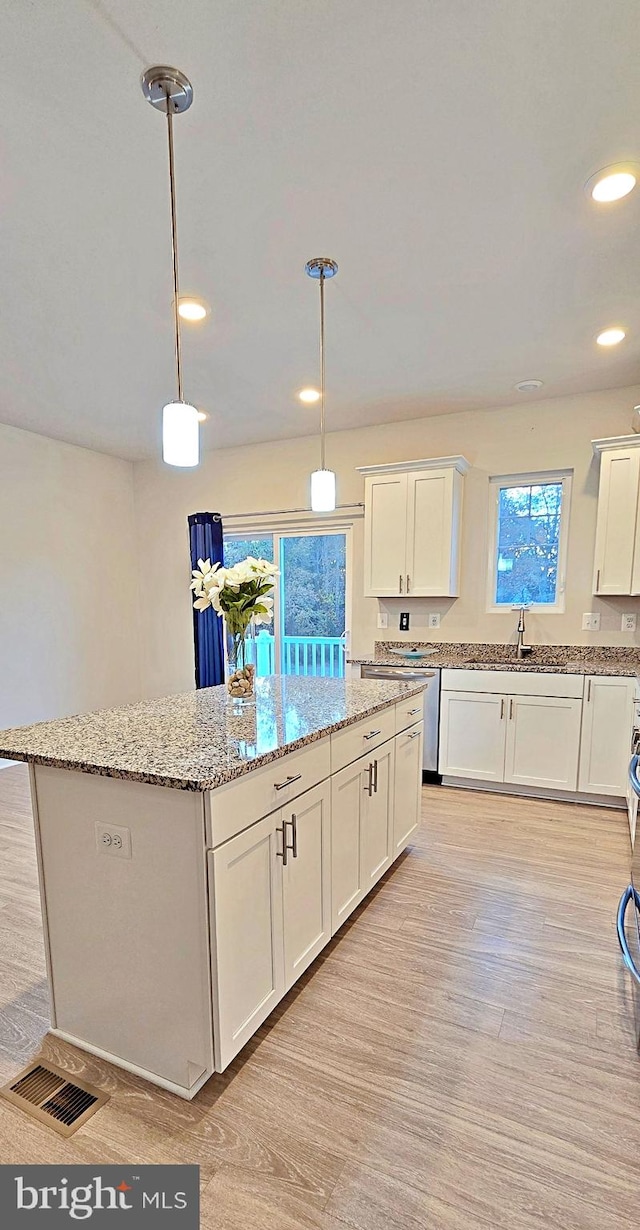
(245, 886)
(433, 524)
(407, 795)
(606, 734)
(543, 741)
(348, 789)
(472, 735)
(377, 817)
(616, 523)
(306, 880)
(385, 535)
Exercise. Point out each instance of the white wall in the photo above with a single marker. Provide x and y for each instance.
(68, 580)
(554, 434)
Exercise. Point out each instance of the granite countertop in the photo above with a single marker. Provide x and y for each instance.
(557, 659)
(199, 740)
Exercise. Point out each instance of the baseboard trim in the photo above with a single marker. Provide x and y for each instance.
(614, 801)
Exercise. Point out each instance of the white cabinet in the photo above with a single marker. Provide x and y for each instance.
(412, 528)
(511, 737)
(245, 887)
(362, 826)
(617, 550)
(306, 880)
(606, 734)
(543, 741)
(407, 793)
(472, 735)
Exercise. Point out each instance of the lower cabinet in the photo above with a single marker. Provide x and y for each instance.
(362, 821)
(607, 718)
(377, 816)
(269, 892)
(407, 789)
(520, 740)
(542, 741)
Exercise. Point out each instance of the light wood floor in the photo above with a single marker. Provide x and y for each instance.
(460, 1057)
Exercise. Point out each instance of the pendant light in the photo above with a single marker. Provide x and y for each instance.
(323, 481)
(168, 90)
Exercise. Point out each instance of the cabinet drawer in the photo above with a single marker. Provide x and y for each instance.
(513, 683)
(233, 807)
(354, 741)
(410, 711)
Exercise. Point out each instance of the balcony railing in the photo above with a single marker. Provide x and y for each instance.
(301, 655)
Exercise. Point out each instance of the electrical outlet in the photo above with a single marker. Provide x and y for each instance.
(591, 621)
(628, 623)
(112, 839)
(404, 621)
(434, 619)
(383, 619)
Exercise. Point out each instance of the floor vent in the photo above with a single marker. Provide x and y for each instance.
(45, 1093)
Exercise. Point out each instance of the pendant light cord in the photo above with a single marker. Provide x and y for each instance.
(174, 248)
(322, 420)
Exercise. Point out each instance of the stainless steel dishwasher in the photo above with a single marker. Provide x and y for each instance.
(430, 676)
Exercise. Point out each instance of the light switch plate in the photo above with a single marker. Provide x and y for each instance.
(629, 623)
(591, 621)
(434, 619)
(383, 619)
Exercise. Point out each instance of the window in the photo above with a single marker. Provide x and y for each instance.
(307, 636)
(529, 524)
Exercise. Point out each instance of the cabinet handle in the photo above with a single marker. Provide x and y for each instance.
(598, 581)
(375, 776)
(372, 734)
(410, 712)
(510, 708)
(400, 582)
(408, 582)
(369, 785)
(415, 735)
(281, 785)
(283, 854)
(501, 708)
(588, 691)
(294, 833)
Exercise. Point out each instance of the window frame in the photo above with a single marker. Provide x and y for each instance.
(531, 479)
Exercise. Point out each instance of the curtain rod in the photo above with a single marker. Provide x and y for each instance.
(280, 512)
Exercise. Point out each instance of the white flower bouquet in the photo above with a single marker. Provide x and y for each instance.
(242, 595)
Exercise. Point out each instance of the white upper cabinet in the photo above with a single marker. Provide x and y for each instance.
(617, 553)
(412, 528)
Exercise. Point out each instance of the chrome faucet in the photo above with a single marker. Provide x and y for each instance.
(522, 649)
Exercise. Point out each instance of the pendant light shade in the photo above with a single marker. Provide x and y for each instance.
(323, 481)
(323, 491)
(180, 434)
(169, 91)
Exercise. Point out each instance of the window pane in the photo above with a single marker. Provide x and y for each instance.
(313, 604)
(237, 549)
(528, 543)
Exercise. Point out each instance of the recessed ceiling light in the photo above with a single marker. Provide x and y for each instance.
(309, 395)
(202, 417)
(610, 337)
(192, 309)
(612, 183)
(529, 386)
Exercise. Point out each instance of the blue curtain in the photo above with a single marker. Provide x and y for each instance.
(205, 541)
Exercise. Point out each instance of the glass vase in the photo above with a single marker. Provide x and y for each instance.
(241, 671)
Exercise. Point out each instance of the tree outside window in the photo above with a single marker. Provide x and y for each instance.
(528, 543)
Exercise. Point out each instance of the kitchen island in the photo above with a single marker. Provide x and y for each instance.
(194, 858)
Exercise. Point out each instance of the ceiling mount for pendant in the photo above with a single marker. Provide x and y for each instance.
(321, 265)
(161, 82)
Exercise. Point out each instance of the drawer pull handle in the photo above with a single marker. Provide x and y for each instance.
(372, 734)
(281, 785)
(415, 735)
(411, 712)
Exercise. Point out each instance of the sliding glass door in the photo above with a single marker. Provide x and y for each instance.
(308, 636)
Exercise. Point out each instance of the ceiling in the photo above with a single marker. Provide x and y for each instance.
(437, 149)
